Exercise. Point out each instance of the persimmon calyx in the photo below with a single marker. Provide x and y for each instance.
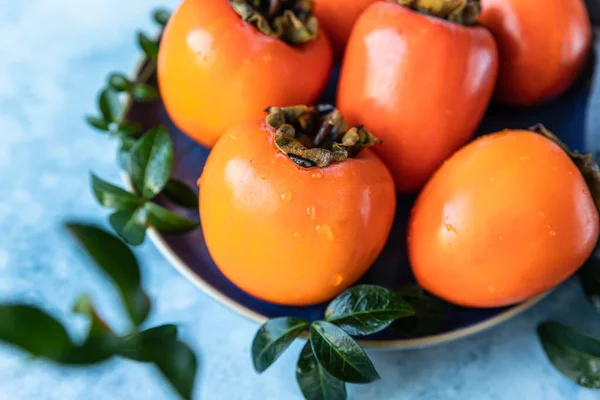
(316, 136)
(464, 12)
(290, 20)
(584, 162)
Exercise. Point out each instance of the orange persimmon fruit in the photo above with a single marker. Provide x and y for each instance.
(506, 218)
(543, 46)
(419, 82)
(222, 62)
(338, 18)
(295, 209)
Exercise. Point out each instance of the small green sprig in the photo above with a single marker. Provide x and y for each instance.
(147, 157)
(41, 335)
(331, 357)
(575, 355)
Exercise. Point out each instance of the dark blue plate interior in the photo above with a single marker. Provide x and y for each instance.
(565, 116)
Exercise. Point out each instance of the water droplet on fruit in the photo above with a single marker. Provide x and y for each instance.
(264, 176)
(337, 280)
(552, 233)
(325, 230)
(316, 175)
(232, 136)
(541, 214)
(267, 58)
(296, 234)
(492, 179)
(491, 289)
(525, 158)
(286, 197)
(311, 212)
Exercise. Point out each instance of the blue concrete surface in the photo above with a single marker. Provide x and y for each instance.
(53, 57)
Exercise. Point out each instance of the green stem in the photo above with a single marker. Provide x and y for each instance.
(464, 12)
(316, 136)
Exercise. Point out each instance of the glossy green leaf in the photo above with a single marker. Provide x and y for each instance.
(116, 259)
(366, 309)
(110, 106)
(430, 316)
(273, 337)
(151, 162)
(124, 152)
(141, 346)
(34, 331)
(111, 196)
(340, 355)
(181, 194)
(97, 123)
(315, 382)
(575, 355)
(130, 225)
(178, 364)
(119, 82)
(168, 221)
(145, 93)
(589, 276)
(148, 46)
(161, 16)
(126, 130)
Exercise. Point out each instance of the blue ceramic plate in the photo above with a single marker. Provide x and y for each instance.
(567, 116)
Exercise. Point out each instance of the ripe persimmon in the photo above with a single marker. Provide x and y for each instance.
(295, 209)
(543, 46)
(222, 62)
(506, 218)
(419, 82)
(338, 18)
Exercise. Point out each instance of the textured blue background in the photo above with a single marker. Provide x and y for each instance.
(54, 55)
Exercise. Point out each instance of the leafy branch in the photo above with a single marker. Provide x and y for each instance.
(575, 355)
(21, 324)
(331, 357)
(147, 157)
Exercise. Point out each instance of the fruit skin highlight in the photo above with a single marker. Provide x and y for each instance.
(506, 218)
(287, 234)
(216, 71)
(543, 46)
(418, 82)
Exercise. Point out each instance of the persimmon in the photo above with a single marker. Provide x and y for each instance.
(295, 209)
(223, 62)
(506, 218)
(338, 18)
(543, 46)
(419, 82)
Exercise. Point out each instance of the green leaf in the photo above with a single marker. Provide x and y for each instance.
(119, 82)
(273, 337)
(340, 355)
(34, 331)
(151, 162)
(315, 382)
(168, 221)
(161, 16)
(110, 106)
(130, 225)
(97, 123)
(366, 309)
(140, 346)
(575, 355)
(145, 93)
(178, 364)
(116, 259)
(430, 317)
(111, 196)
(124, 152)
(589, 276)
(148, 46)
(84, 306)
(129, 130)
(181, 194)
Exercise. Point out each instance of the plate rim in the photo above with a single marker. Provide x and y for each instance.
(391, 344)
